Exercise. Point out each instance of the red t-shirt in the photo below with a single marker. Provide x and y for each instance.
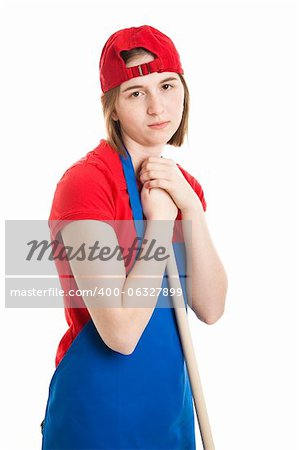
(92, 188)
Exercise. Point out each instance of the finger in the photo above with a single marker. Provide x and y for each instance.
(160, 159)
(155, 174)
(151, 168)
(161, 183)
(155, 160)
(155, 166)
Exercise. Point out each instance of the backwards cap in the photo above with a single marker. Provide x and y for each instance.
(113, 70)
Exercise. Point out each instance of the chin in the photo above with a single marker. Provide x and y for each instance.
(161, 139)
(157, 142)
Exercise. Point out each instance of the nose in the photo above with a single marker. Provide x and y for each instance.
(155, 105)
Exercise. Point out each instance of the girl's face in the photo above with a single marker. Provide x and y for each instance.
(146, 100)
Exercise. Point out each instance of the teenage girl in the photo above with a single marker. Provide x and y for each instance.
(120, 380)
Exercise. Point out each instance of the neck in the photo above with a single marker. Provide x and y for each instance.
(139, 152)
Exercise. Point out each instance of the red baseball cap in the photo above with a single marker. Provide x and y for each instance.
(113, 70)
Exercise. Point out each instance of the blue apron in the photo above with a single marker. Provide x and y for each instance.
(101, 399)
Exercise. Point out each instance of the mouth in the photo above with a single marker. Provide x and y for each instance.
(159, 125)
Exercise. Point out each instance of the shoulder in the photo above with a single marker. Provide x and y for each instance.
(87, 188)
(95, 168)
(91, 164)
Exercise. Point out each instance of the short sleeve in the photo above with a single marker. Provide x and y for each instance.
(200, 193)
(195, 186)
(83, 192)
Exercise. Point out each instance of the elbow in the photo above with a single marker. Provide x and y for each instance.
(117, 343)
(212, 307)
(208, 319)
(126, 351)
(114, 330)
(213, 319)
(213, 316)
(123, 345)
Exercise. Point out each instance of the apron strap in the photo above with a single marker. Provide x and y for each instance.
(132, 185)
(134, 197)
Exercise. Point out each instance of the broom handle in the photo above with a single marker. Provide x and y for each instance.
(189, 354)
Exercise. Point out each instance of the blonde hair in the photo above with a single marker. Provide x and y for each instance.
(109, 98)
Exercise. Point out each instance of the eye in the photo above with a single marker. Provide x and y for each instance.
(166, 84)
(135, 96)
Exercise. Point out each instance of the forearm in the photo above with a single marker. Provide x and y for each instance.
(146, 276)
(119, 318)
(207, 283)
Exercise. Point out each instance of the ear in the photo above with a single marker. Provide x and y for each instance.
(114, 116)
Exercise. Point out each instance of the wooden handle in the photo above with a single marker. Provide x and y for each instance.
(189, 354)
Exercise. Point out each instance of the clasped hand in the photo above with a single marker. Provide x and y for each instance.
(157, 172)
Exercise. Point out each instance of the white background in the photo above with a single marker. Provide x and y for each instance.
(241, 65)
